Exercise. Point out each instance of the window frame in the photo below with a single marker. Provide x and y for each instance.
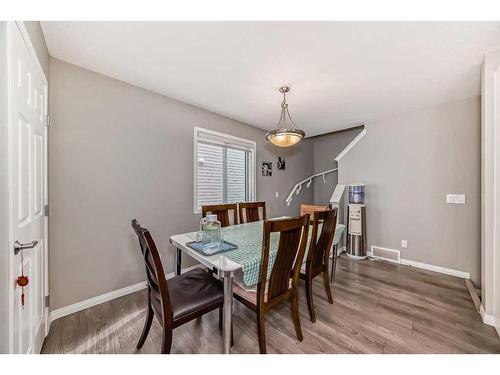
(211, 136)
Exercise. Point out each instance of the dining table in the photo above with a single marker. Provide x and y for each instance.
(245, 258)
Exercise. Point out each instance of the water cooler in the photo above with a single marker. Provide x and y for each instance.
(356, 222)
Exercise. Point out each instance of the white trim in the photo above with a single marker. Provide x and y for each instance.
(85, 304)
(298, 186)
(9, 29)
(351, 145)
(490, 187)
(473, 294)
(212, 136)
(356, 257)
(31, 48)
(488, 319)
(12, 27)
(340, 250)
(431, 267)
(425, 266)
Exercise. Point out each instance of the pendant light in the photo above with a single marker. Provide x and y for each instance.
(285, 134)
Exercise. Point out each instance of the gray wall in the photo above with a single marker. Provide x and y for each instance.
(409, 163)
(37, 38)
(119, 152)
(326, 148)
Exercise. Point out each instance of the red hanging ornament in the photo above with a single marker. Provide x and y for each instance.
(22, 280)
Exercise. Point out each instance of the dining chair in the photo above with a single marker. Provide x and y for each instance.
(282, 284)
(311, 209)
(222, 212)
(249, 211)
(318, 255)
(178, 300)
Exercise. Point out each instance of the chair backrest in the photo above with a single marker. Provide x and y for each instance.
(319, 247)
(222, 212)
(311, 209)
(158, 295)
(291, 247)
(249, 211)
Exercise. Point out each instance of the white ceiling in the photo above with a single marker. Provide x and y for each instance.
(341, 73)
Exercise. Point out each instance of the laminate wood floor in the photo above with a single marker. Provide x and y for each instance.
(378, 307)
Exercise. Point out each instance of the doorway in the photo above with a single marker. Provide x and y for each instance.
(27, 134)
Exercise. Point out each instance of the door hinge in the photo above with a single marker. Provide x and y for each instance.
(47, 120)
(47, 301)
(46, 210)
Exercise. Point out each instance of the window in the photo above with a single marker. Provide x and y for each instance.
(224, 169)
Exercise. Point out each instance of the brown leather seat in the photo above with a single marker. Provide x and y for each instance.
(193, 291)
(178, 300)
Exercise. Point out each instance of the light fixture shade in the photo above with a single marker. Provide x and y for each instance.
(285, 137)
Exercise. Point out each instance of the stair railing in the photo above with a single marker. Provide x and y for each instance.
(298, 186)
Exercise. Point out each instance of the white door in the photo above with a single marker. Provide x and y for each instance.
(27, 136)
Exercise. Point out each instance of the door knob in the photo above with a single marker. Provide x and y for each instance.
(23, 246)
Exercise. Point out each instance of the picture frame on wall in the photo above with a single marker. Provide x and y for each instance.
(281, 163)
(267, 168)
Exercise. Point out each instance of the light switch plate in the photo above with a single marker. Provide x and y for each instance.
(455, 198)
(277, 194)
(404, 244)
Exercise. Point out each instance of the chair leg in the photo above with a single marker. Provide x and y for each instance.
(310, 304)
(147, 326)
(166, 342)
(261, 332)
(296, 317)
(220, 318)
(334, 264)
(232, 336)
(327, 285)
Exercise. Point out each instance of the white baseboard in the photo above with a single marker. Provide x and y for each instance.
(82, 305)
(431, 267)
(341, 250)
(489, 319)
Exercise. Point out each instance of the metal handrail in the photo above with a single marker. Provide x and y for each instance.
(298, 186)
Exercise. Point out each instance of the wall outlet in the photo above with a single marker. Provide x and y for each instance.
(404, 244)
(277, 194)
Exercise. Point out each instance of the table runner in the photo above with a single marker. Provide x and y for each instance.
(248, 238)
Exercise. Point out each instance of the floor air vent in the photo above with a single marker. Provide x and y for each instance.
(386, 254)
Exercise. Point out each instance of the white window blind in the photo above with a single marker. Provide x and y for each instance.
(236, 176)
(224, 169)
(210, 174)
